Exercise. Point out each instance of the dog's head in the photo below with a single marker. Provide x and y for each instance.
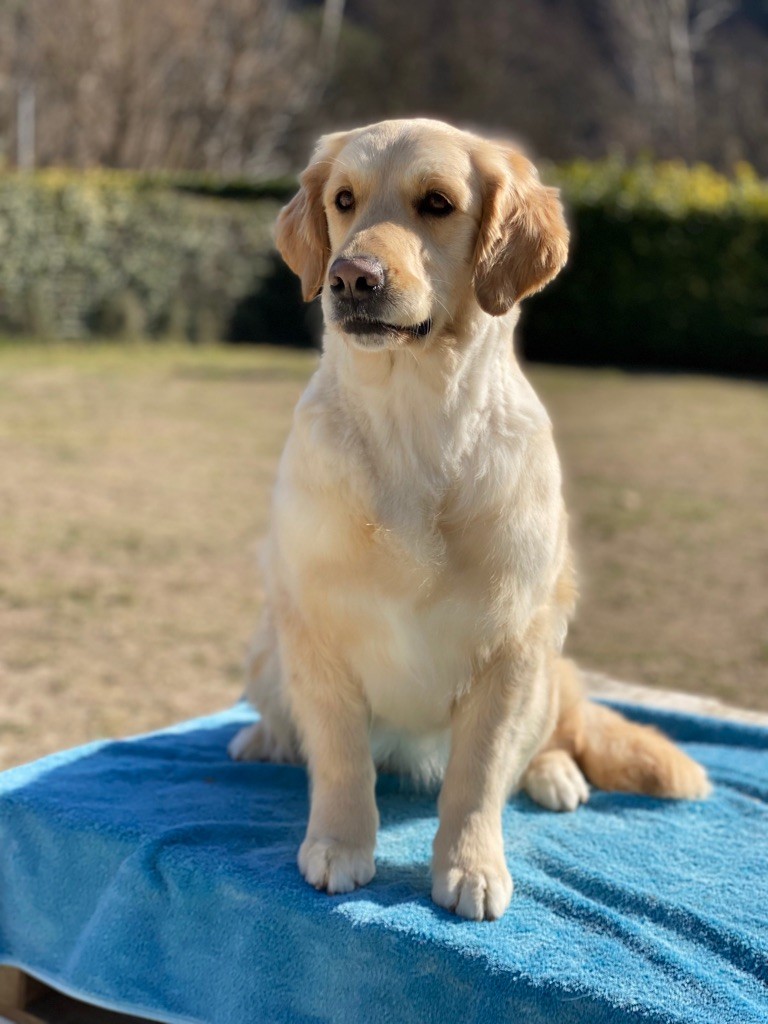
(406, 226)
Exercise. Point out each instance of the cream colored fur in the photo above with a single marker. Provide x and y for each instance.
(417, 567)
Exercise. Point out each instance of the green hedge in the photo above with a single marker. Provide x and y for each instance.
(669, 268)
(669, 265)
(111, 253)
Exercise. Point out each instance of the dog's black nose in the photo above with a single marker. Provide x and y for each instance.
(360, 277)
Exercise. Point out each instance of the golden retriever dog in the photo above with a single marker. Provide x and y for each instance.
(418, 576)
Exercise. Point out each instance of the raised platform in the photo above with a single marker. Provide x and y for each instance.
(603, 687)
(155, 877)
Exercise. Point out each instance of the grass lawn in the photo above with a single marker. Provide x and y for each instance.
(135, 484)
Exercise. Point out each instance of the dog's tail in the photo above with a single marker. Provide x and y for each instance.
(620, 755)
(616, 754)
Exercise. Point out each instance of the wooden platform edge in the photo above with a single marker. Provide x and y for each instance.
(17, 991)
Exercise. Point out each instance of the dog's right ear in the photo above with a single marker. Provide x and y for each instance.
(301, 232)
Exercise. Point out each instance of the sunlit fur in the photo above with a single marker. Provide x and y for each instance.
(417, 568)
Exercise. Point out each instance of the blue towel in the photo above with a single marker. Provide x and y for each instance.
(157, 877)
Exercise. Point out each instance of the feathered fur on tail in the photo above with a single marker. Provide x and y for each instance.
(621, 755)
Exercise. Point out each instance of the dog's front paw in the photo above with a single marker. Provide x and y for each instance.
(556, 782)
(333, 866)
(479, 892)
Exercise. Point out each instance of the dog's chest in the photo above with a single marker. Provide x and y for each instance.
(404, 556)
(417, 623)
(403, 600)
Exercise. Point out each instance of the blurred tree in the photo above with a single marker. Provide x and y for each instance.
(658, 44)
(243, 86)
(576, 77)
(198, 84)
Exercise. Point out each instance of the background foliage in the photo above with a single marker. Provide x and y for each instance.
(669, 265)
(118, 255)
(203, 98)
(669, 268)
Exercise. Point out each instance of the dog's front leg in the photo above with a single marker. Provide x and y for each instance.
(495, 729)
(333, 720)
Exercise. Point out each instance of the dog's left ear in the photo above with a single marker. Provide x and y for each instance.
(523, 240)
(301, 231)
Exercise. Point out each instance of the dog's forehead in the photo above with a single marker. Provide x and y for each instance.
(414, 149)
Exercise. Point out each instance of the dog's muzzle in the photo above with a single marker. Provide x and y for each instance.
(358, 286)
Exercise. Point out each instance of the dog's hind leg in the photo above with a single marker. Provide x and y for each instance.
(273, 737)
(553, 779)
(595, 743)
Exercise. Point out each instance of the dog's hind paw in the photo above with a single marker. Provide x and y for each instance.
(555, 781)
(257, 743)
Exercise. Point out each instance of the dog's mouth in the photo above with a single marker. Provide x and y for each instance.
(363, 325)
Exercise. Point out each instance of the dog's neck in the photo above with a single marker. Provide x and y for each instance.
(433, 404)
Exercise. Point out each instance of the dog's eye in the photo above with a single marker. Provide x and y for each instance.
(435, 204)
(344, 200)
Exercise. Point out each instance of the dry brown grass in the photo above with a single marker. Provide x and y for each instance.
(135, 484)
(667, 482)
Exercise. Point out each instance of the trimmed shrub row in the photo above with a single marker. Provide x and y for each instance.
(115, 254)
(669, 264)
(669, 268)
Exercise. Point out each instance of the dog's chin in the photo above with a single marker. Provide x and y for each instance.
(370, 335)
